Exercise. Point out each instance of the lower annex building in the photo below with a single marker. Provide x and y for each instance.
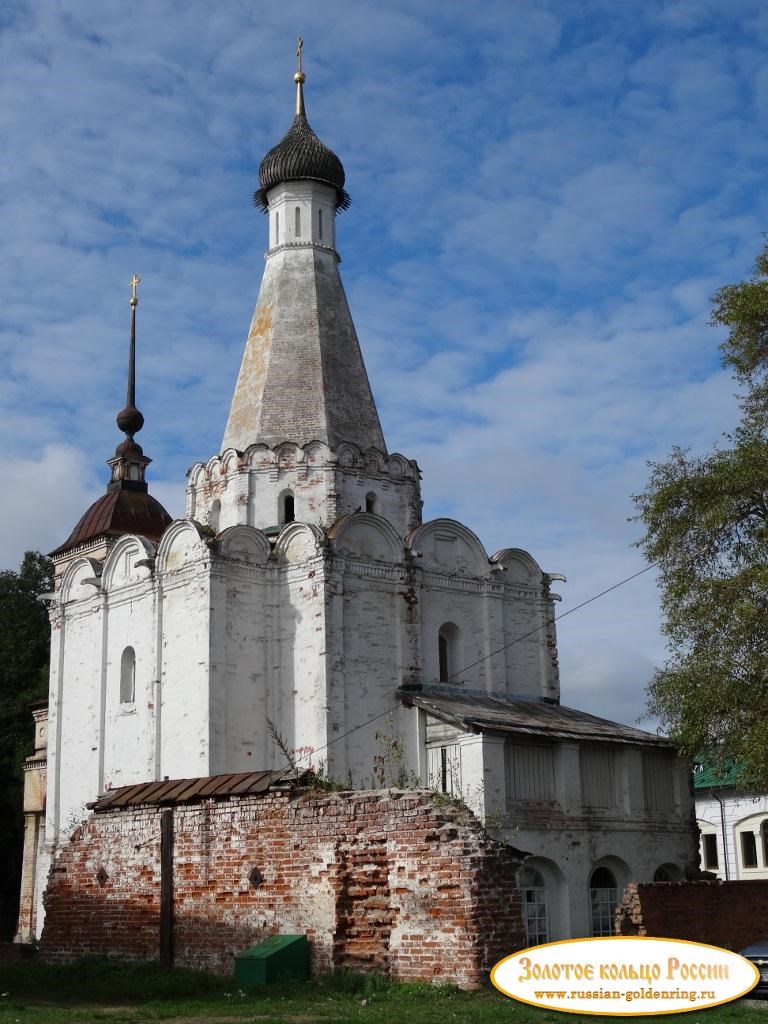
(304, 597)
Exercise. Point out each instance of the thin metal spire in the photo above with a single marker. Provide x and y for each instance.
(129, 419)
(299, 78)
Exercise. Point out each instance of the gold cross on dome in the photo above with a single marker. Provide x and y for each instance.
(134, 281)
(299, 48)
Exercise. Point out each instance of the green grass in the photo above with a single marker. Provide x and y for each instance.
(112, 992)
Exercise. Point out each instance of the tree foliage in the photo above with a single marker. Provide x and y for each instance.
(706, 521)
(24, 647)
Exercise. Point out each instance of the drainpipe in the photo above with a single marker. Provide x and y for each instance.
(722, 830)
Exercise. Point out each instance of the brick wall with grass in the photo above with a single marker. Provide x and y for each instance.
(391, 881)
(727, 914)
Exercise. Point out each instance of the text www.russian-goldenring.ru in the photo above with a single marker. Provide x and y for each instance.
(689, 996)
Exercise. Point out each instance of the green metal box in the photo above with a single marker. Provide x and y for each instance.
(277, 958)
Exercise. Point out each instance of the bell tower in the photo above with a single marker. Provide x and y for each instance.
(303, 438)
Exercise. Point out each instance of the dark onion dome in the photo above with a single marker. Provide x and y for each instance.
(116, 513)
(301, 156)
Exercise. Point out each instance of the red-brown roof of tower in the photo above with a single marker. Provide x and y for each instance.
(118, 512)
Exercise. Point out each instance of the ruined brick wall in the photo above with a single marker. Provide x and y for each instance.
(385, 880)
(727, 914)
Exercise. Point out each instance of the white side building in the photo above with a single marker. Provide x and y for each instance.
(303, 589)
(733, 826)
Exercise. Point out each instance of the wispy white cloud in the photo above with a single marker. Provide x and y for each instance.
(544, 198)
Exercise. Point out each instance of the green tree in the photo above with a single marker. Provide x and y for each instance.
(706, 521)
(24, 647)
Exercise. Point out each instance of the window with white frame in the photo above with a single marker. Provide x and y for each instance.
(751, 844)
(603, 897)
(533, 900)
(444, 768)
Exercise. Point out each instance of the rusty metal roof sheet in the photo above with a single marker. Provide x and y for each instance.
(177, 791)
(473, 713)
(123, 509)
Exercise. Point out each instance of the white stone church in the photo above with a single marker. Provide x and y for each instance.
(304, 589)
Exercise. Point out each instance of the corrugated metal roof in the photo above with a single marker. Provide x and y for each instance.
(706, 776)
(473, 712)
(179, 791)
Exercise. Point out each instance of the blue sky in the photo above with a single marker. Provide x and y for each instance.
(545, 197)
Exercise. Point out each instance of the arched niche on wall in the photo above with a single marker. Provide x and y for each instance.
(519, 566)
(363, 535)
(298, 543)
(121, 564)
(74, 585)
(448, 546)
(183, 543)
(244, 544)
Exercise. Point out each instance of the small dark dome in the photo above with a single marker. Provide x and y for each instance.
(129, 448)
(301, 156)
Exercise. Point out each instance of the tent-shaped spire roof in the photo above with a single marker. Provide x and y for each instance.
(302, 376)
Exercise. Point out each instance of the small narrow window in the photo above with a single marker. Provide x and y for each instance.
(448, 651)
(289, 509)
(442, 646)
(298, 222)
(370, 502)
(320, 223)
(748, 850)
(709, 844)
(277, 229)
(128, 676)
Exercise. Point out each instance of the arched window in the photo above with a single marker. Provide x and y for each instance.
(320, 223)
(277, 228)
(298, 222)
(603, 897)
(667, 873)
(533, 897)
(287, 509)
(128, 676)
(370, 502)
(448, 651)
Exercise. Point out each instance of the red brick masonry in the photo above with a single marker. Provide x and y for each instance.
(390, 881)
(727, 914)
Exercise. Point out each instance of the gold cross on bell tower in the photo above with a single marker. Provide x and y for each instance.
(299, 48)
(134, 281)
